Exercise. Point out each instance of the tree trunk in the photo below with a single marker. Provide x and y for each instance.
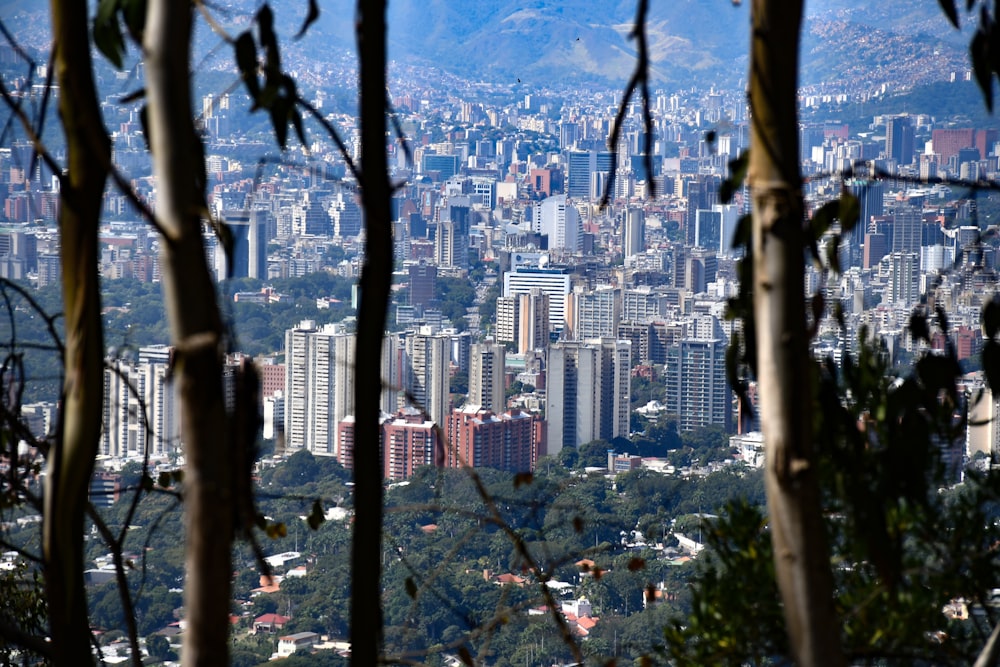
(376, 278)
(196, 331)
(802, 561)
(71, 459)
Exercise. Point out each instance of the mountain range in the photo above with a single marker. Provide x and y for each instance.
(894, 44)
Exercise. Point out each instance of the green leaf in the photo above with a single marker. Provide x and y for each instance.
(918, 327)
(311, 17)
(737, 174)
(823, 218)
(949, 9)
(850, 211)
(246, 62)
(134, 13)
(991, 317)
(979, 52)
(316, 516)
(108, 33)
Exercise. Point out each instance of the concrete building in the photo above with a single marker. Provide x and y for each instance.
(554, 282)
(249, 249)
(634, 232)
(560, 222)
(319, 388)
(427, 372)
(696, 387)
(480, 438)
(596, 313)
(487, 376)
(524, 319)
(583, 167)
(587, 392)
(141, 408)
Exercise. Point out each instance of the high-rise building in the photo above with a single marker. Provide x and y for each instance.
(409, 441)
(346, 215)
(583, 166)
(587, 392)
(319, 387)
(899, 139)
(696, 387)
(551, 281)
(423, 283)
(141, 407)
(596, 313)
(708, 229)
(903, 288)
(907, 228)
(487, 377)
(523, 319)
(560, 223)
(427, 372)
(634, 232)
(249, 247)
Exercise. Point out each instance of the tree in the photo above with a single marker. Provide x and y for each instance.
(801, 554)
(376, 279)
(71, 460)
(196, 331)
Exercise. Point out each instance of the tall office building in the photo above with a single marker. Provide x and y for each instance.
(319, 387)
(554, 218)
(346, 215)
(596, 313)
(553, 282)
(697, 390)
(634, 232)
(899, 139)
(583, 166)
(903, 288)
(487, 376)
(587, 392)
(708, 230)
(907, 228)
(427, 372)
(249, 248)
(310, 218)
(523, 319)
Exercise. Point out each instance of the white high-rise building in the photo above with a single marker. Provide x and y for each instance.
(634, 232)
(486, 377)
(141, 407)
(561, 222)
(319, 387)
(596, 314)
(903, 288)
(553, 282)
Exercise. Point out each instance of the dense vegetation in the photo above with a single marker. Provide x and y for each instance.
(448, 535)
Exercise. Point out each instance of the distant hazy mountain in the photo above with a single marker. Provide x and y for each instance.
(699, 42)
(691, 41)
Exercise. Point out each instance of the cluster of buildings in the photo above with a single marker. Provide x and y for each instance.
(503, 189)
